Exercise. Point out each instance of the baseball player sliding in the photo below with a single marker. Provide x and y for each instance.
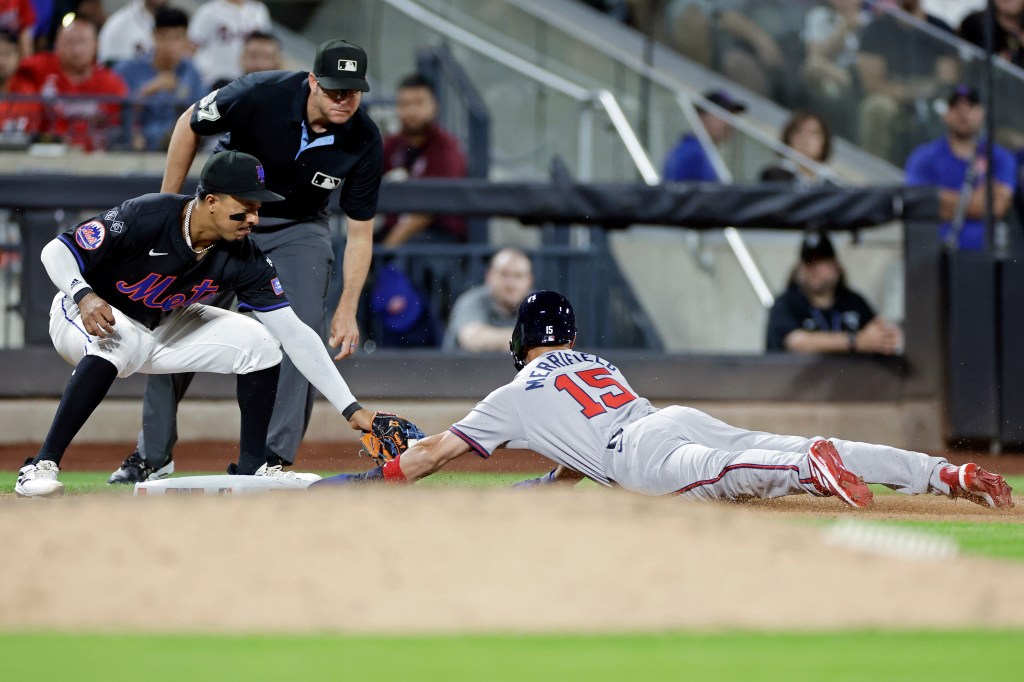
(579, 411)
(132, 281)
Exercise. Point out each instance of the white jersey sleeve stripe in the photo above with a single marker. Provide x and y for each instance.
(476, 447)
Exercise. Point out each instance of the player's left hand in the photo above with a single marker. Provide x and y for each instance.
(344, 335)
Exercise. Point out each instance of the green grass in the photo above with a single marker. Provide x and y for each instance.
(1005, 540)
(877, 656)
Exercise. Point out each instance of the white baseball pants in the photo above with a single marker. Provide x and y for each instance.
(198, 338)
(684, 451)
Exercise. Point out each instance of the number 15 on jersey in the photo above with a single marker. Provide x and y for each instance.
(614, 397)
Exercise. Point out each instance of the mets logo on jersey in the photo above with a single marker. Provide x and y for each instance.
(90, 236)
(276, 285)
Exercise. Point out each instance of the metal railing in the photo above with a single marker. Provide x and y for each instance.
(588, 98)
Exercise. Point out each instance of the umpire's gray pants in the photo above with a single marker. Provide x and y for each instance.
(303, 257)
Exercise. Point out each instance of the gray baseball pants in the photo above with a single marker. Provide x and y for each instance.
(303, 257)
(680, 450)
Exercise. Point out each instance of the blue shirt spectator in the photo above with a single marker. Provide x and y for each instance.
(163, 84)
(688, 161)
(945, 162)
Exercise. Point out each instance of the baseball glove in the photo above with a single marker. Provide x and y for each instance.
(389, 436)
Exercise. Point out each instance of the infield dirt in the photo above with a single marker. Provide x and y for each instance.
(466, 561)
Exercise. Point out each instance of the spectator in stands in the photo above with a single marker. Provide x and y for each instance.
(164, 84)
(218, 29)
(721, 34)
(421, 149)
(261, 52)
(687, 161)
(956, 163)
(1008, 29)
(14, 116)
(808, 134)
(483, 317)
(128, 33)
(902, 70)
(18, 17)
(818, 313)
(9, 58)
(71, 69)
(831, 36)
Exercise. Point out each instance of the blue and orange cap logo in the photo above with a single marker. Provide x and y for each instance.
(260, 174)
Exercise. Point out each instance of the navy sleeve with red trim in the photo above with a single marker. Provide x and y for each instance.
(258, 286)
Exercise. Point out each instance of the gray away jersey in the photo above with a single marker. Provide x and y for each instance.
(565, 405)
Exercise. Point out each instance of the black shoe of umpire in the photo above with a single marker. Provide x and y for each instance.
(134, 470)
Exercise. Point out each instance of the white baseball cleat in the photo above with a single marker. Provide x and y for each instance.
(39, 480)
(277, 472)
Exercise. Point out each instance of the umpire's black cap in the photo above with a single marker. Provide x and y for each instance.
(340, 65)
(238, 174)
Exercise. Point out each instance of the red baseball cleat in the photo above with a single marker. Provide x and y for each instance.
(831, 475)
(973, 483)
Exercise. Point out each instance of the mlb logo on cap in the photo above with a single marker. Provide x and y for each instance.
(340, 65)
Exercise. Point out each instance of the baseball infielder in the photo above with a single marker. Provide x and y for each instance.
(308, 130)
(578, 410)
(132, 281)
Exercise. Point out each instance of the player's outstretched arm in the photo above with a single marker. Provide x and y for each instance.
(430, 454)
(421, 459)
(305, 349)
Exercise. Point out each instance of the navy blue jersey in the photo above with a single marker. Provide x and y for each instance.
(792, 310)
(135, 258)
(264, 114)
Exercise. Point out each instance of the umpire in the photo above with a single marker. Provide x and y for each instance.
(312, 137)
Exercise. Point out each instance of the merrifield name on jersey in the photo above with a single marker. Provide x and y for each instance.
(557, 360)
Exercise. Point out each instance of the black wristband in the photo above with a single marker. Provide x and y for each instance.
(852, 336)
(351, 410)
(81, 293)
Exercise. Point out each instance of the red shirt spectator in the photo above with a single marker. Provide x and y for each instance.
(71, 70)
(18, 17)
(422, 149)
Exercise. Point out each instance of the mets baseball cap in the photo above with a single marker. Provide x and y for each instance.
(238, 174)
(723, 99)
(816, 246)
(963, 91)
(340, 65)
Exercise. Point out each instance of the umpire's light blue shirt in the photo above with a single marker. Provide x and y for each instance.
(687, 161)
(934, 163)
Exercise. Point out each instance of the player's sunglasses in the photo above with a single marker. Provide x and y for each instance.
(337, 95)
